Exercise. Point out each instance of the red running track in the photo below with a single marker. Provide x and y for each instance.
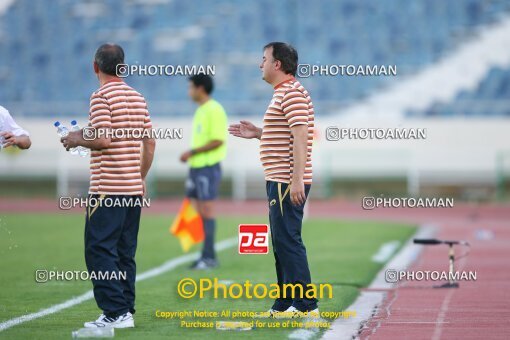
(476, 310)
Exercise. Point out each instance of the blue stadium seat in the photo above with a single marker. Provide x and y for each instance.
(53, 43)
(490, 98)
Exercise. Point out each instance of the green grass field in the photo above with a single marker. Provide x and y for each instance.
(339, 253)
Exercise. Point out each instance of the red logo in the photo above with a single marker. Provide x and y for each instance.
(253, 239)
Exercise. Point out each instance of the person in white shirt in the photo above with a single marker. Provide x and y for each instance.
(11, 134)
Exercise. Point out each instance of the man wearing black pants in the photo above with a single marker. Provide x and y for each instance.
(119, 164)
(289, 251)
(109, 227)
(285, 152)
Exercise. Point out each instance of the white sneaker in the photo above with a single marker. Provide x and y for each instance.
(204, 264)
(292, 312)
(269, 314)
(122, 321)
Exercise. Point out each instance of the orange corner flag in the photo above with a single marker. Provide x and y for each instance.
(188, 226)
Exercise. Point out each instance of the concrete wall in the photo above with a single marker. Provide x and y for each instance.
(455, 151)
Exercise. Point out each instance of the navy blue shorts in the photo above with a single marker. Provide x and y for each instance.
(203, 183)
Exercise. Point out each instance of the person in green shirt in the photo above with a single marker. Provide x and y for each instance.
(208, 149)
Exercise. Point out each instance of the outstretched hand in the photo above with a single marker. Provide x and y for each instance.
(245, 129)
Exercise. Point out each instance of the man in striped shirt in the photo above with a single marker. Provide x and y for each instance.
(285, 152)
(119, 164)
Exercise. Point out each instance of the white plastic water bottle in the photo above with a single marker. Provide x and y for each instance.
(62, 131)
(103, 332)
(79, 150)
(74, 151)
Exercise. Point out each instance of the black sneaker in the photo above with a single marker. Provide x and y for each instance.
(194, 264)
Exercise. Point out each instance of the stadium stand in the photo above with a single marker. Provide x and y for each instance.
(46, 48)
(490, 98)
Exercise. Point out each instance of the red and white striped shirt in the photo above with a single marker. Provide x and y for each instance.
(116, 169)
(291, 105)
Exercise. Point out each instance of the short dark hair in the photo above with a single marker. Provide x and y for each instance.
(203, 80)
(108, 56)
(286, 54)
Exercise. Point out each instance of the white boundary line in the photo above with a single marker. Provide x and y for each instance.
(385, 251)
(165, 267)
(367, 301)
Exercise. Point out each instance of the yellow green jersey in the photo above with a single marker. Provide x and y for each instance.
(209, 123)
